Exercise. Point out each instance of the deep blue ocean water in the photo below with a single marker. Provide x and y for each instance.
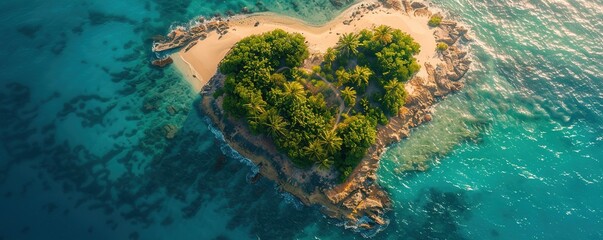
(517, 154)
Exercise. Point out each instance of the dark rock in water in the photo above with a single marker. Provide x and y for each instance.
(29, 31)
(245, 10)
(172, 110)
(256, 177)
(128, 57)
(162, 62)
(337, 3)
(99, 18)
(170, 131)
(149, 105)
(417, 5)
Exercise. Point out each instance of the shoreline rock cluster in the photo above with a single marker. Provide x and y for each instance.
(161, 63)
(360, 202)
(186, 35)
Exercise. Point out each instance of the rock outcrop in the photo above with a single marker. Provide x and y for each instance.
(423, 12)
(161, 63)
(393, 4)
(450, 32)
(417, 5)
(170, 131)
(198, 30)
(407, 7)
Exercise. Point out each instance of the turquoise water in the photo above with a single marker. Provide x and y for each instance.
(522, 157)
(515, 155)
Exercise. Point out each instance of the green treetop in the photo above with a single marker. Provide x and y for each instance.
(303, 113)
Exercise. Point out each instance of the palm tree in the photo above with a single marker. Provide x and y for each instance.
(343, 77)
(329, 57)
(294, 90)
(393, 85)
(349, 96)
(326, 164)
(314, 151)
(394, 96)
(383, 34)
(256, 121)
(256, 105)
(330, 141)
(275, 123)
(348, 44)
(362, 76)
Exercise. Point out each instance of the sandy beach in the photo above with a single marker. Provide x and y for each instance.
(200, 62)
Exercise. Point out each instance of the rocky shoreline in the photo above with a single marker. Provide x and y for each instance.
(197, 30)
(360, 202)
(361, 193)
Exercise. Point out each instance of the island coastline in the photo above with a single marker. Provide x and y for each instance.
(359, 201)
(207, 54)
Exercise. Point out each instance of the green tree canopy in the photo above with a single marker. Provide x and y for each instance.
(361, 76)
(349, 96)
(383, 34)
(331, 141)
(358, 134)
(394, 96)
(289, 106)
(348, 44)
(276, 125)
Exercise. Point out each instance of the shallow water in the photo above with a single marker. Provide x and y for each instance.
(516, 154)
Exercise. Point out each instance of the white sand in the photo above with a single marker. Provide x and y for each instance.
(207, 54)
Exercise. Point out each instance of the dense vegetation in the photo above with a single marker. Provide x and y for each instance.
(435, 20)
(441, 46)
(328, 115)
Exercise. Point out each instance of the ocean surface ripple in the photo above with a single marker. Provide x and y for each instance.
(521, 154)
